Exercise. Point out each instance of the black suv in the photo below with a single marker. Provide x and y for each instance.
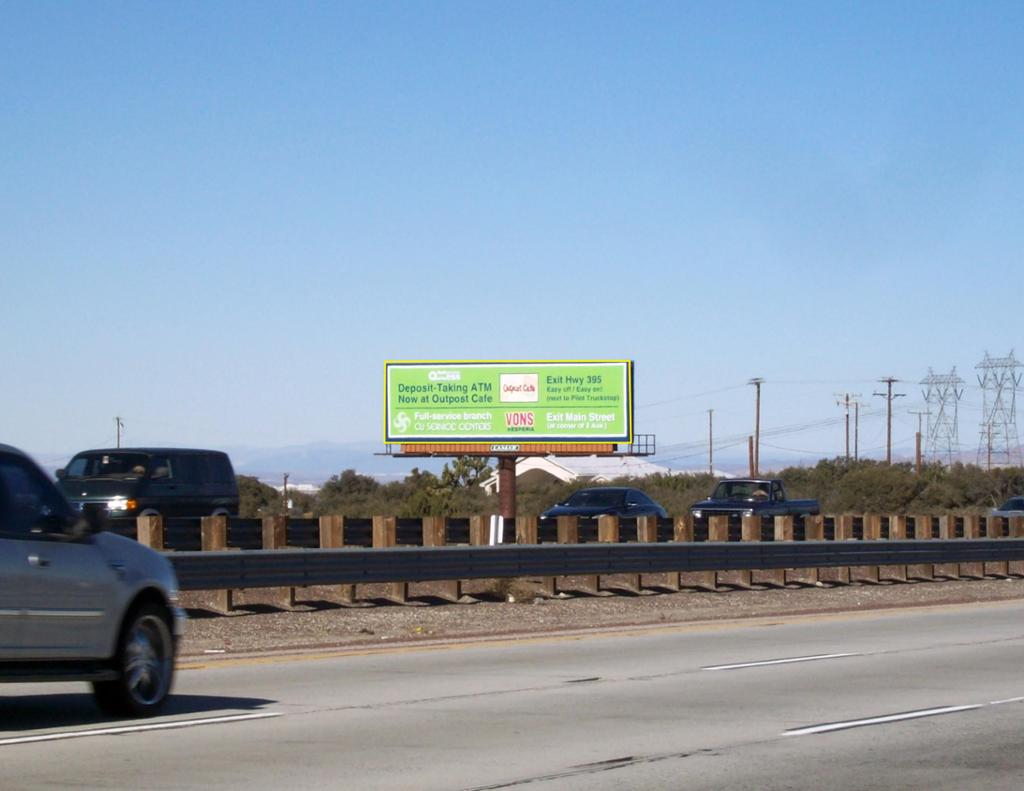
(129, 482)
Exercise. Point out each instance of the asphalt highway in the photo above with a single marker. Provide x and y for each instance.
(914, 699)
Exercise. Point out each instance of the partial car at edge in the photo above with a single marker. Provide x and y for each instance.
(78, 604)
(1012, 507)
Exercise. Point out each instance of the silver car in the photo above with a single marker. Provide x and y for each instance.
(80, 604)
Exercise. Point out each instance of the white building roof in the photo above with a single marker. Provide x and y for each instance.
(595, 469)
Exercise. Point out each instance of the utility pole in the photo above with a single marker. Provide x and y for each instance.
(118, 425)
(889, 396)
(917, 441)
(856, 430)
(284, 494)
(711, 444)
(756, 464)
(845, 402)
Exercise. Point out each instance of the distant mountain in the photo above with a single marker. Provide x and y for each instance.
(316, 462)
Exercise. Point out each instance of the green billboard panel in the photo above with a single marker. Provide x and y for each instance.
(518, 401)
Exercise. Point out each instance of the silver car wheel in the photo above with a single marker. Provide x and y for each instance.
(148, 659)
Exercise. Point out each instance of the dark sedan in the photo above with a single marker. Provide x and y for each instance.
(1012, 507)
(606, 501)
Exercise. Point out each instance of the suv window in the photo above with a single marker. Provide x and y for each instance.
(160, 467)
(192, 468)
(107, 465)
(220, 469)
(26, 498)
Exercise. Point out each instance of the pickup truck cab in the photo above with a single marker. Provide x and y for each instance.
(739, 497)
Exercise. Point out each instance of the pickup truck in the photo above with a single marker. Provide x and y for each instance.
(752, 497)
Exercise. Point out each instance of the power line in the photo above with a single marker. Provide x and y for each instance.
(690, 395)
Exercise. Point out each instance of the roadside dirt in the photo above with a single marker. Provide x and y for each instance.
(263, 623)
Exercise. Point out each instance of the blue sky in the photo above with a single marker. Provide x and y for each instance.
(217, 220)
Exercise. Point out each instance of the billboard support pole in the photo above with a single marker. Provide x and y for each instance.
(507, 487)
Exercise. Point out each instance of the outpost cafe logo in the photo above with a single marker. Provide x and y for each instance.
(518, 387)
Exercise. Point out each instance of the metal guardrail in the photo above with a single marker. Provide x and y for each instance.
(304, 567)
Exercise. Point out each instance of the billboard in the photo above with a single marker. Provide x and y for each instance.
(519, 401)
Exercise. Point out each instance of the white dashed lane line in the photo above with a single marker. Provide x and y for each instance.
(786, 661)
(123, 729)
(887, 718)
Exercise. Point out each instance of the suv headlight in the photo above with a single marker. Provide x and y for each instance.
(696, 514)
(121, 504)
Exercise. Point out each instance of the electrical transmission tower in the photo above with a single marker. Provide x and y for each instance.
(943, 393)
(999, 382)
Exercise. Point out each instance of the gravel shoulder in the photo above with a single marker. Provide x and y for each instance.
(262, 623)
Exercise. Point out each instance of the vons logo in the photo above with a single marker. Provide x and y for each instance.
(518, 387)
(519, 420)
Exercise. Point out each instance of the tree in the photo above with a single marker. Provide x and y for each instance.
(465, 471)
(255, 498)
(349, 493)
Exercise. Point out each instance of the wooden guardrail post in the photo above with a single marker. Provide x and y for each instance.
(843, 532)
(479, 530)
(897, 532)
(213, 536)
(1016, 530)
(872, 532)
(972, 526)
(569, 533)
(718, 530)
(784, 528)
(750, 530)
(528, 532)
(608, 529)
(647, 533)
(972, 531)
(275, 536)
(332, 536)
(994, 529)
(150, 531)
(814, 530)
(922, 532)
(774, 577)
(682, 530)
(647, 529)
(385, 534)
(947, 531)
(608, 532)
(435, 534)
